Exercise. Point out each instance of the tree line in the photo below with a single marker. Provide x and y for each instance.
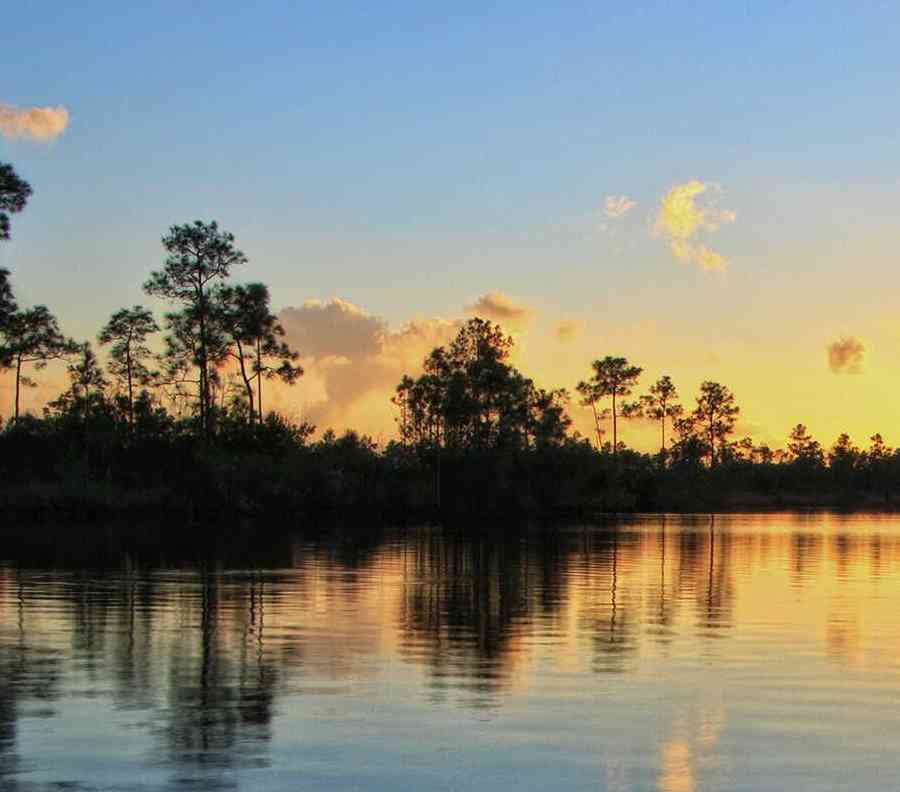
(470, 412)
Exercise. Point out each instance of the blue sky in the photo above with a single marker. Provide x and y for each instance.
(410, 157)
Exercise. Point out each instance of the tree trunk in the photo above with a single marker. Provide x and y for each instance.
(204, 378)
(130, 388)
(615, 434)
(18, 383)
(248, 385)
(597, 425)
(259, 406)
(202, 397)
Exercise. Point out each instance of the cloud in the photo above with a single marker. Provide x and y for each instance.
(501, 309)
(682, 218)
(335, 328)
(36, 123)
(353, 361)
(617, 206)
(845, 356)
(567, 330)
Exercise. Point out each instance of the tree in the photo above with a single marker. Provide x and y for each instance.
(763, 455)
(86, 379)
(878, 450)
(843, 459)
(127, 330)
(14, 194)
(85, 373)
(257, 340)
(880, 460)
(690, 446)
(742, 450)
(661, 404)
(715, 416)
(803, 448)
(548, 421)
(32, 337)
(180, 369)
(613, 376)
(7, 301)
(470, 397)
(199, 257)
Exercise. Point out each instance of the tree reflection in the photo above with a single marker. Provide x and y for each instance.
(465, 601)
(608, 615)
(221, 690)
(29, 673)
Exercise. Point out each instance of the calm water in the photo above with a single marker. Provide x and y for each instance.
(757, 653)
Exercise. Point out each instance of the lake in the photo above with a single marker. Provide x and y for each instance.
(661, 653)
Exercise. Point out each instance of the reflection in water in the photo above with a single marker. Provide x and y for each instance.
(673, 653)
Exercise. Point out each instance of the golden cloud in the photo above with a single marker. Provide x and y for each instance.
(498, 307)
(353, 361)
(845, 356)
(35, 123)
(682, 218)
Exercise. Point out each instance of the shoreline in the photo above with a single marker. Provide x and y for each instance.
(90, 500)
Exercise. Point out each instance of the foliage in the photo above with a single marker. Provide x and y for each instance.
(14, 194)
(661, 404)
(471, 397)
(199, 256)
(32, 337)
(8, 304)
(613, 377)
(256, 341)
(714, 418)
(127, 331)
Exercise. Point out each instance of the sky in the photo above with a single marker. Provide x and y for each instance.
(708, 189)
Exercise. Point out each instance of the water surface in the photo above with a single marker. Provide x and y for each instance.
(678, 654)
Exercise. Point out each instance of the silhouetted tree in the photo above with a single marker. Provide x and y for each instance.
(199, 257)
(614, 377)
(179, 360)
(883, 465)
(762, 455)
(715, 415)
(127, 330)
(742, 450)
(32, 337)
(470, 397)
(844, 459)
(86, 381)
(14, 194)
(661, 404)
(85, 373)
(690, 445)
(257, 340)
(549, 423)
(7, 301)
(803, 448)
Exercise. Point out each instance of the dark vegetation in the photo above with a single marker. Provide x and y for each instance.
(186, 430)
